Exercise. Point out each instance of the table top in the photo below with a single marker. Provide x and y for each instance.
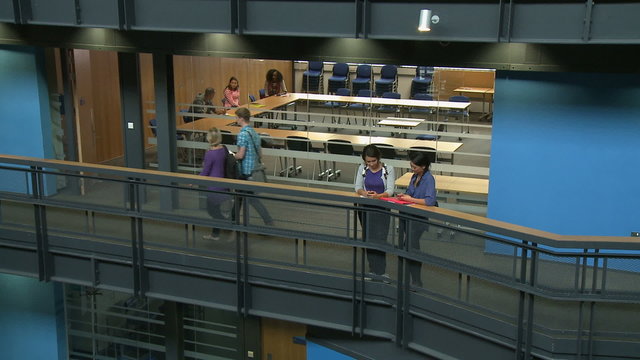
(205, 124)
(400, 122)
(273, 102)
(477, 90)
(452, 183)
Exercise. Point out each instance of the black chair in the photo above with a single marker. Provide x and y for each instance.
(312, 79)
(388, 81)
(337, 105)
(422, 82)
(336, 147)
(361, 107)
(428, 151)
(227, 137)
(422, 112)
(387, 151)
(462, 114)
(294, 143)
(340, 77)
(362, 80)
(389, 109)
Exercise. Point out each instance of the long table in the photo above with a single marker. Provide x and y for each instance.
(273, 102)
(452, 183)
(204, 124)
(479, 90)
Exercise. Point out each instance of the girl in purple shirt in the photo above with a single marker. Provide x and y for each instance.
(213, 165)
(374, 179)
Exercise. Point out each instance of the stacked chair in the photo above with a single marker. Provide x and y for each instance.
(388, 81)
(362, 80)
(340, 77)
(312, 79)
(421, 84)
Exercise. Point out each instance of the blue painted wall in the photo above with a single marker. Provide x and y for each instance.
(26, 118)
(565, 152)
(318, 352)
(31, 319)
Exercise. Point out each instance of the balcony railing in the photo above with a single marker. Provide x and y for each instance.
(506, 290)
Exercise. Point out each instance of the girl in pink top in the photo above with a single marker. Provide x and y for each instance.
(232, 94)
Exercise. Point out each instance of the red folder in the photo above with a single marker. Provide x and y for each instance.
(395, 200)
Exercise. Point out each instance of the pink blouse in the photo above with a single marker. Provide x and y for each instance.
(231, 97)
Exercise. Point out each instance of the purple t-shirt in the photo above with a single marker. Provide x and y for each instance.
(373, 181)
(213, 165)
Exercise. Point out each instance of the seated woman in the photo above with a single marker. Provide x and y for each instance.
(274, 83)
(231, 94)
(421, 190)
(374, 179)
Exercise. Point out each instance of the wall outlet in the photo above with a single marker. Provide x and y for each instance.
(635, 233)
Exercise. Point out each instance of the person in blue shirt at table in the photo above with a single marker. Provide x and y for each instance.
(249, 154)
(374, 179)
(422, 191)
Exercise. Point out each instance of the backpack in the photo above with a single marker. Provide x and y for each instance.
(231, 166)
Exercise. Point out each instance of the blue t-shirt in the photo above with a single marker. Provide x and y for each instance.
(249, 139)
(425, 189)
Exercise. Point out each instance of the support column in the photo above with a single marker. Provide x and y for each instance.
(131, 101)
(166, 122)
(174, 334)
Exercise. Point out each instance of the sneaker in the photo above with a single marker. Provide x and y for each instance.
(211, 237)
(386, 278)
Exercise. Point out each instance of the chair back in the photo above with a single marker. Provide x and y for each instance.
(421, 72)
(227, 138)
(363, 71)
(388, 72)
(316, 66)
(391, 95)
(428, 151)
(340, 69)
(343, 92)
(262, 93)
(266, 141)
(365, 93)
(422, 96)
(340, 147)
(252, 98)
(459, 98)
(298, 143)
(387, 151)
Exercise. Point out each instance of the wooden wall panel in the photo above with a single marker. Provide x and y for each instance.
(83, 93)
(106, 105)
(277, 340)
(446, 80)
(193, 74)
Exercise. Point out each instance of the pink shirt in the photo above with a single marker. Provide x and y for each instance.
(231, 97)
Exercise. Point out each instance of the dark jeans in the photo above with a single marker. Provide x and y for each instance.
(413, 237)
(215, 211)
(256, 204)
(376, 230)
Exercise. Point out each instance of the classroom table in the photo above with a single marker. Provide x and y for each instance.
(479, 90)
(204, 124)
(452, 183)
(272, 102)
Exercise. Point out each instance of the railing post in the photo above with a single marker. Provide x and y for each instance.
(40, 216)
(137, 245)
(521, 303)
